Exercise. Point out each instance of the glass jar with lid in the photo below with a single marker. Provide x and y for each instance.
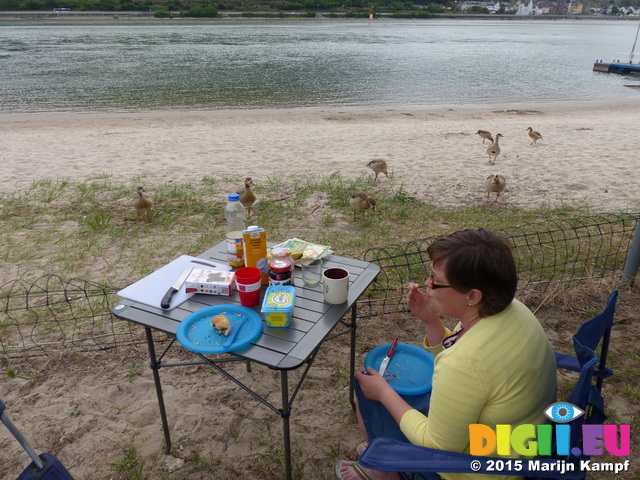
(281, 267)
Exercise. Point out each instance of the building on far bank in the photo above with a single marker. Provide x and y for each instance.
(493, 7)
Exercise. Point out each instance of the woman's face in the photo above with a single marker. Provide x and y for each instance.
(443, 297)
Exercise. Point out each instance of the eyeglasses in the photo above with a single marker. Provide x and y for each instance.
(434, 285)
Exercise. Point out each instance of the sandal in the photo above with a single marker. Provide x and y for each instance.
(356, 468)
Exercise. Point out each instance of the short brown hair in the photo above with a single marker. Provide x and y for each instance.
(478, 259)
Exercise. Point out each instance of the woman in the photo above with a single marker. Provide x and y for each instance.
(496, 367)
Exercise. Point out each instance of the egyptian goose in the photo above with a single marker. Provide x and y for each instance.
(378, 166)
(247, 197)
(494, 149)
(496, 184)
(361, 201)
(535, 136)
(143, 202)
(485, 134)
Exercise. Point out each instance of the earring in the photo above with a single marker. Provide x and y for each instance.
(471, 304)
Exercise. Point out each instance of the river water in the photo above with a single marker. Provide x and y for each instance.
(147, 65)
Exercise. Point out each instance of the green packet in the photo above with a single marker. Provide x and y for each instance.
(306, 249)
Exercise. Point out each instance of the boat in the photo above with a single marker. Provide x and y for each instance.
(618, 66)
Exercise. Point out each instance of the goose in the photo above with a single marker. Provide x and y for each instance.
(247, 197)
(143, 202)
(378, 166)
(485, 134)
(535, 136)
(361, 201)
(494, 183)
(494, 149)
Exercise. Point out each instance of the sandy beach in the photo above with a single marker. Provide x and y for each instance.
(98, 413)
(588, 151)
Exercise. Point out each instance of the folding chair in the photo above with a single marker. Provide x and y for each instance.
(394, 456)
(43, 467)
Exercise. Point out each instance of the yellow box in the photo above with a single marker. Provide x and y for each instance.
(254, 243)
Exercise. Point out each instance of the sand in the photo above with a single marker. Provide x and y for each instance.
(93, 411)
(588, 153)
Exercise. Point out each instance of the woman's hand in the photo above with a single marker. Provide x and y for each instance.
(418, 303)
(373, 385)
(376, 388)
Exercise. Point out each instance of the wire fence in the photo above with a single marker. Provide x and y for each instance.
(51, 314)
(549, 256)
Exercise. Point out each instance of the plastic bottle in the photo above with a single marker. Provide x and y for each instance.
(236, 217)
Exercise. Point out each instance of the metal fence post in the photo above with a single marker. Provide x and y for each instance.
(633, 258)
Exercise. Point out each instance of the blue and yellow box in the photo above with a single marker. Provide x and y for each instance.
(278, 305)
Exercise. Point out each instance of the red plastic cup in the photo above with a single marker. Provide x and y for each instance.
(248, 282)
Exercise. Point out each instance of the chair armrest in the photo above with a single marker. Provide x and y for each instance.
(568, 362)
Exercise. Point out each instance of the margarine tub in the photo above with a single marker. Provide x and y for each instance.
(278, 305)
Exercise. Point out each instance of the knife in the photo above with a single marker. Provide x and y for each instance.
(385, 360)
(166, 300)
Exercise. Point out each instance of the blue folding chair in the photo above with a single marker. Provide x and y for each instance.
(394, 456)
(44, 466)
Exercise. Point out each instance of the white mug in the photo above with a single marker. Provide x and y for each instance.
(335, 285)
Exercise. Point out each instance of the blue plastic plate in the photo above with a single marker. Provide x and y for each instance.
(410, 370)
(197, 334)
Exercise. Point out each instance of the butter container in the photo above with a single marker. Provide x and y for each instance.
(254, 243)
(213, 282)
(277, 305)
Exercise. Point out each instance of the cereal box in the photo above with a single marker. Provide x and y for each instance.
(213, 282)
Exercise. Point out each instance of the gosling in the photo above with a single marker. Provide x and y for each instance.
(485, 134)
(535, 136)
(494, 184)
(361, 201)
(247, 197)
(378, 166)
(142, 203)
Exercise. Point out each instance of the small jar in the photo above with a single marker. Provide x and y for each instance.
(281, 267)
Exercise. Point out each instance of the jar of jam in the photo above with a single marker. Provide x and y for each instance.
(281, 267)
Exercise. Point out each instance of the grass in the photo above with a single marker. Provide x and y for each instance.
(90, 230)
(129, 466)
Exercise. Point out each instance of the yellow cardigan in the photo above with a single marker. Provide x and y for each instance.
(501, 371)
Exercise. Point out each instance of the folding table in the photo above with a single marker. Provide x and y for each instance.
(282, 349)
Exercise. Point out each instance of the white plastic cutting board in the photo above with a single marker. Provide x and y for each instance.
(152, 288)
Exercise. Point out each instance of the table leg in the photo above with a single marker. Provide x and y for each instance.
(155, 369)
(285, 413)
(352, 359)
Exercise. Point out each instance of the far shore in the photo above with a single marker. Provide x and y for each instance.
(275, 15)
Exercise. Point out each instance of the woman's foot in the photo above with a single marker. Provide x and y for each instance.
(362, 447)
(346, 470)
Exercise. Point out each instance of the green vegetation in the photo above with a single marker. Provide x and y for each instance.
(90, 229)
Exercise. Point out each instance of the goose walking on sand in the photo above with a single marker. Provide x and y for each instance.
(247, 197)
(535, 136)
(485, 134)
(494, 149)
(378, 166)
(494, 184)
(143, 202)
(361, 201)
